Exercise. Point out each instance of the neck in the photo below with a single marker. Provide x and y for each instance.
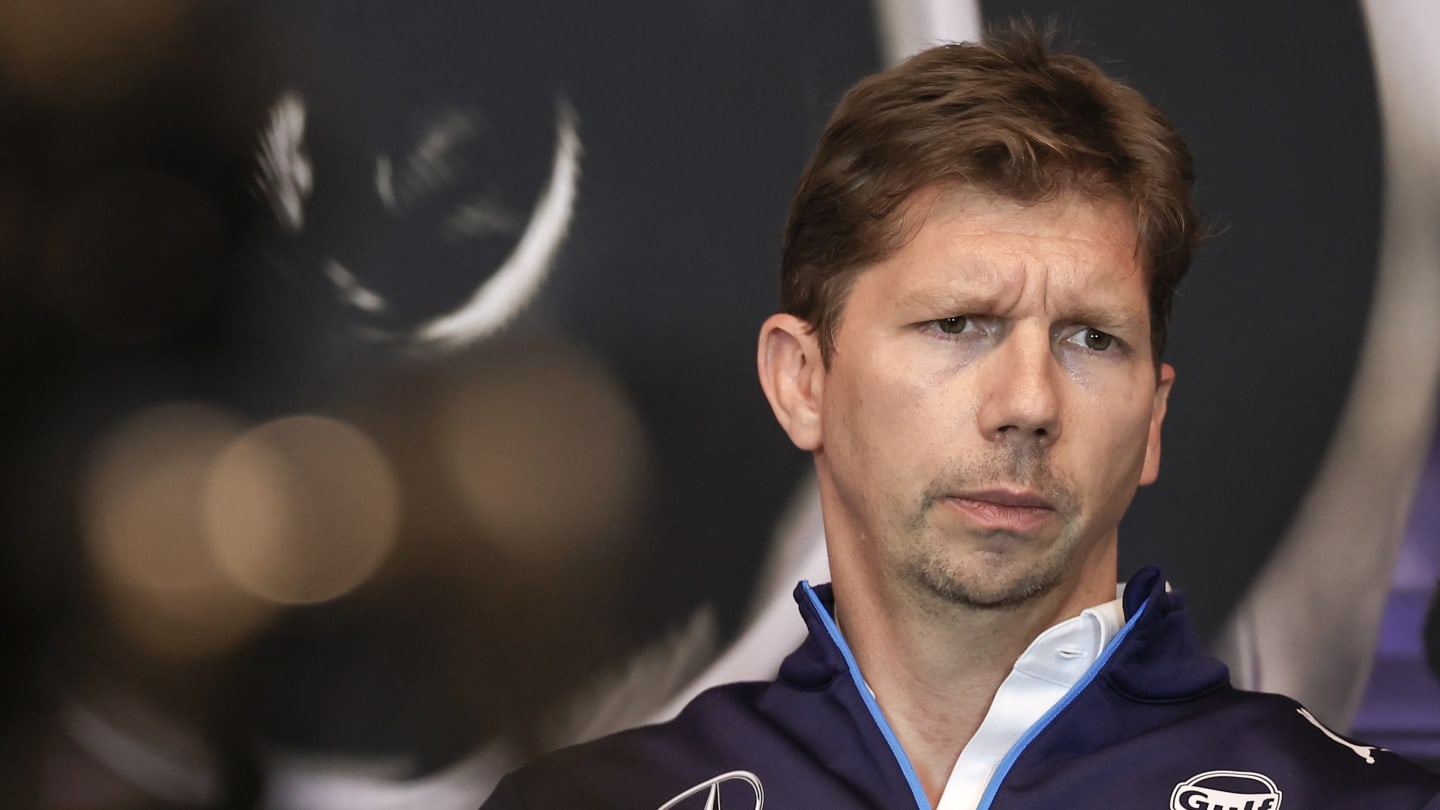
(936, 665)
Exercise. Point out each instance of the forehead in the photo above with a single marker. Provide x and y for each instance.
(968, 242)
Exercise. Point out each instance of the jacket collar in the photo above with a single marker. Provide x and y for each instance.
(1159, 660)
(1162, 660)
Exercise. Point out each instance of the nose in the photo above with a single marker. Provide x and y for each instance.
(1020, 398)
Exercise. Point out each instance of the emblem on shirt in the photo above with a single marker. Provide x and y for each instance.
(1365, 752)
(749, 787)
(1226, 790)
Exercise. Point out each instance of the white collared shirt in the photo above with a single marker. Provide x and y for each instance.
(1053, 663)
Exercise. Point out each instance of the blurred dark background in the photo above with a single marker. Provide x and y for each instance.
(376, 382)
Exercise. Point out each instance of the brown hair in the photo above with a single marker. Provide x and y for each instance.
(1006, 116)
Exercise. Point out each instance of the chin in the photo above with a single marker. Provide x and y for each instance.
(988, 584)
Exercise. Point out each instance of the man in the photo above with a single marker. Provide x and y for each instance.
(976, 283)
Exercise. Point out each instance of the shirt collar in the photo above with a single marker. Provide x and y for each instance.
(1063, 653)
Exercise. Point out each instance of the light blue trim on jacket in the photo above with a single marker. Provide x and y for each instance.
(1031, 733)
(921, 801)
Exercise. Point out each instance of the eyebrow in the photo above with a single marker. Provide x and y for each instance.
(1108, 317)
(961, 302)
(947, 299)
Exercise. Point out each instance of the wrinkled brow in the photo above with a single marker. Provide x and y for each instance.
(1107, 318)
(945, 301)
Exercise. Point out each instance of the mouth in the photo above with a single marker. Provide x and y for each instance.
(1003, 510)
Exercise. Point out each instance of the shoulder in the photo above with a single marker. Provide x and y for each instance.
(1203, 751)
(1166, 709)
(1271, 738)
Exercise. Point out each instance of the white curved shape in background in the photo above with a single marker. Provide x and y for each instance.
(1309, 624)
(519, 278)
(772, 629)
(307, 783)
(908, 26)
(153, 754)
(286, 176)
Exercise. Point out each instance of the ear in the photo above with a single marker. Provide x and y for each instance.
(793, 376)
(1151, 470)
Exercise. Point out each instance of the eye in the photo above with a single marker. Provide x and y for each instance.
(1097, 340)
(1092, 339)
(953, 326)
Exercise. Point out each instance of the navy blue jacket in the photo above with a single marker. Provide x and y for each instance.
(1153, 725)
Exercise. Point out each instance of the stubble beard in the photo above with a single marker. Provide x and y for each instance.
(990, 580)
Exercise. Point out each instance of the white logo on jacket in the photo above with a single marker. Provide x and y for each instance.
(1365, 752)
(712, 801)
(1226, 790)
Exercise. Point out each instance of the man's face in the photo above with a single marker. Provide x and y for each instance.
(992, 403)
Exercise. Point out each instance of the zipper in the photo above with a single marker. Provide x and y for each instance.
(1031, 733)
(868, 696)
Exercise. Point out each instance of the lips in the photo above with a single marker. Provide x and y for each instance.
(1013, 511)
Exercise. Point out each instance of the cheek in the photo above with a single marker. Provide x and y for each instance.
(1113, 433)
(922, 411)
(884, 418)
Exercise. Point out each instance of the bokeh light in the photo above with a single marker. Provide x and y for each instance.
(549, 455)
(85, 50)
(146, 538)
(302, 509)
